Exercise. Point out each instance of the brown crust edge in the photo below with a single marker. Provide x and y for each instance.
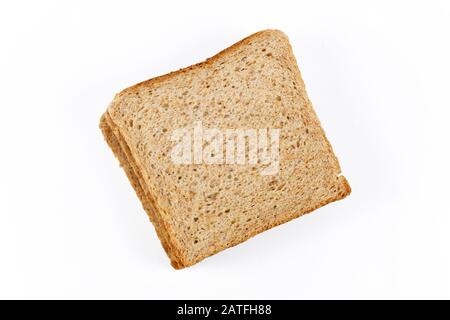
(123, 154)
(200, 64)
(341, 195)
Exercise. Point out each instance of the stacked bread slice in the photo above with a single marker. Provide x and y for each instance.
(205, 202)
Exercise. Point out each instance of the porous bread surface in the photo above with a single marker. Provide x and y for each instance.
(201, 209)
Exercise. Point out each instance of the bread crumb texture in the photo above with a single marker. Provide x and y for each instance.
(201, 209)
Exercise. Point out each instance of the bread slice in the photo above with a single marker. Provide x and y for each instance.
(199, 208)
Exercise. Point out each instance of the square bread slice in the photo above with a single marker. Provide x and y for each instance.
(210, 201)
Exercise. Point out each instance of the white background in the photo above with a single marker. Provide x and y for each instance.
(378, 73)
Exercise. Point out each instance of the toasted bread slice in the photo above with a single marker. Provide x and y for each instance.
(209, 201)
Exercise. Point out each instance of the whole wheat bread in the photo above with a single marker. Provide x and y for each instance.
(200, 209)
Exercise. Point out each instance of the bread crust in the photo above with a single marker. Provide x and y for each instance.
(122, 152)
(199, 65)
